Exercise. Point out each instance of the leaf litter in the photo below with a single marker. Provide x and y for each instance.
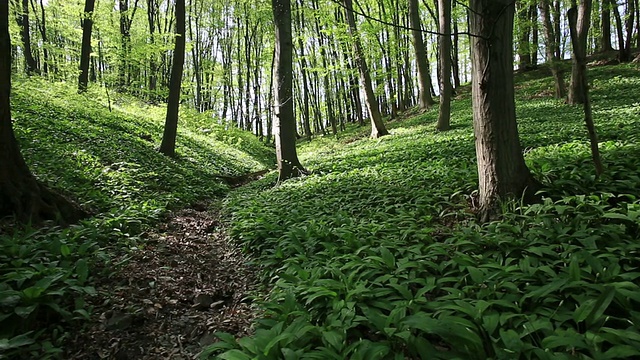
(187, 282)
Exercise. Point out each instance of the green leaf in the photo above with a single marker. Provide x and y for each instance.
(333, 338)
(82, 269)
(25, 311)
(387, 257)
(16, 341)
(234, 354)
(601, 305)
(622, 352)
(65, 250)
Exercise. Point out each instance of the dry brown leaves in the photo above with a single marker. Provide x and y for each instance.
(187, 282)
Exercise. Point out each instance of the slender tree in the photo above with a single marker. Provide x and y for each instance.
(501, 168)
(377, 126)
(21, 195)
(582, 23)
(284, 123)
(550, 45)
(444, 43)
(23, 22)
(85, 52)
(168, 145)
(580, 58)
(424, 75)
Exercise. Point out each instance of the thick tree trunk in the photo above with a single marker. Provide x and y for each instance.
(501, 168)
(444, 15)
(21, 195)
(168, 145)
(377, 126)
(579, 54)
(550, 44)
(576, 91)
(424, 75)
(284, 124)
(85, 52)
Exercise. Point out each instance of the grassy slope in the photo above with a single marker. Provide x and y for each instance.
(378, 255)
(108, 162)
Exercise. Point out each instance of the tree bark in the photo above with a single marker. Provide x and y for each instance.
(576, 91)
(377, 126)
(549, 45)
(424, 75)
(444, 15)
(21, 195)
(284, 123)
(580, 58)
(85, 52)
(501, 168)
(168, 145)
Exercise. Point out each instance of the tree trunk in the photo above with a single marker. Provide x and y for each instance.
(168, 145)
(284, 124)
(21, 195)
(625, 55)
(579, 54)
(605, 40)
(424, 75)
(549, 45)
(152, 10)
(576, 91)
(377, 126)
(444, 15)
(501, 168)
(87, 25)
(620, 32)
(43, 35)
(533, 11)
(524, 52)
(23, 22)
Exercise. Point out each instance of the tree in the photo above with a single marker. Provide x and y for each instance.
(446, 90)
(605, 39)
(284, 123)
(424, 75)
(501, 168)
(85, 52)
(23, 22)
(377, 126)
(21, 195)
(583, 17)
(550, 45)
(580, 58)
(168, 145)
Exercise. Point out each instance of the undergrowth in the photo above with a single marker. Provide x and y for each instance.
(107, 162)
(378, 254)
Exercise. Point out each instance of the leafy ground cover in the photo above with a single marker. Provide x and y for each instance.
(378, 255)
(107, 161)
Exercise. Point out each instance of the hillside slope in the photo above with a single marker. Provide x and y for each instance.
(378, 255)
(107, 162)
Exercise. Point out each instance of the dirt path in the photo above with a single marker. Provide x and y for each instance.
(186, 283)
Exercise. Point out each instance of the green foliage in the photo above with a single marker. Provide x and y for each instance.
(108, 162)
(378, 254)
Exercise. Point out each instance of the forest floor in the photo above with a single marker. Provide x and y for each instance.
(167, 300)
